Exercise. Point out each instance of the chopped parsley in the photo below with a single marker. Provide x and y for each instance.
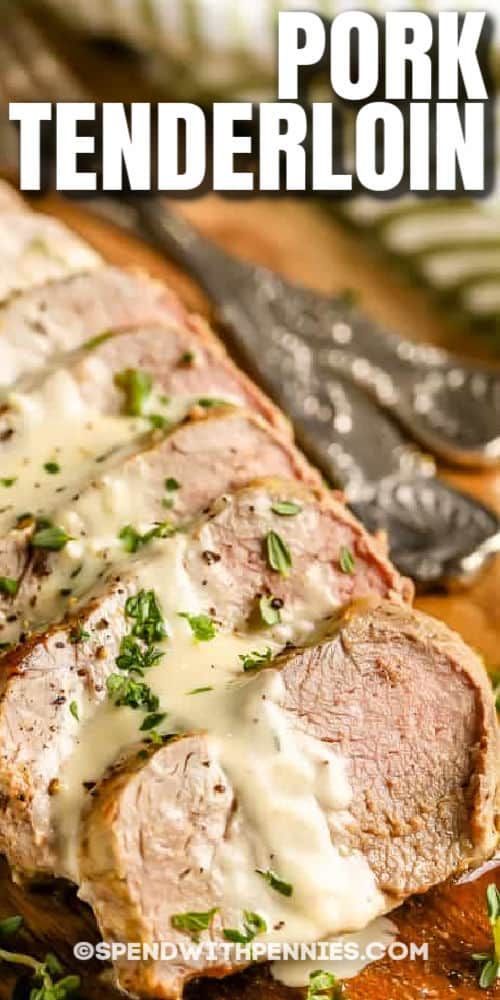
(125, 690)
(347, 561)
(207, 402)
(278, 553)
(136, 386)
(200, 690)
(135, 657)
(144, 609)
(152, 721)
(187, 358)
(253, 924)
(171, 484)
(78, 634)
(256, 660)
(323, 986)
(286, 508)
(49, 536)
(8, 586)
(269, 608)
(202, 627)
(52, 468)
(158, 421)
(96, 341)
(490, 961)
(133, 540)
(193, 923)
(74, 710)
(277, 883)
(8, 481)
(11, 925)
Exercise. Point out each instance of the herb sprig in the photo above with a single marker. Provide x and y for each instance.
(253, 924)
(48, 981)
(490, 961)
(324, 986)
(202, 627)
(276, 883)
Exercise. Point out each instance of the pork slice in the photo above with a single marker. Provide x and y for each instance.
(203, 457)
(10, 199)
(62, 315)
(409, 710)
(224, 563)
(36, 249)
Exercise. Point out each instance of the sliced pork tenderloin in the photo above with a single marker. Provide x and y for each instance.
(60, 316)
(391, 701)
(216, 452)
(36, 249)
(223, 567)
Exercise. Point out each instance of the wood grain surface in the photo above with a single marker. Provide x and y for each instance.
(305, 245)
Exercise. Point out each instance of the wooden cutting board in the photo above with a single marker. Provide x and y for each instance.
(305, 245)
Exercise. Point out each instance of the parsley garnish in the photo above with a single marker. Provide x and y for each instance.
(133, 540)
(277, 883)
(278, 553)
(135, 657)
(136, 386)
(158, 422)
(490, 961)
(145, 610)
(202, 627)
(323, 986)
(125, 690)
(171, 484)
(268, 612)
(208, 401)
(256, 660)
(78, 634)
(50, 537)
(8, 481)
(199, 690)
(152, 721)
(253, 924)
(193, 923)
(347, 561)
(74, 710)
(48, 981)
(187, 358)
(96, 341)
(8, 586)
(286, 508)
(52, 468)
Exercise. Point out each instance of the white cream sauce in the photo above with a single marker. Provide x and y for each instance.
(381, 931)
(293, 792)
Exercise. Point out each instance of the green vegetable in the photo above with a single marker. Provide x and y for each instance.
(135, 657)
(144, 609)
(277, 883)
(347, 561)
(78, 634)
(158, 421)
(8, 586)
(256, 660)
(323, 986)
(490, 961)
(202, 627)
(48, 981)
(133, 540)
(50, 537)
(208, 402)
(171, 484)
(199, 690)
(9, 481)
(74, 710)
(96, 341)
(52, 468)
(253, 924)
(278, 553)
(270, 615)
(152, 721)
(286, 508)
(193, 923)
(125, 690)
(136, 386)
